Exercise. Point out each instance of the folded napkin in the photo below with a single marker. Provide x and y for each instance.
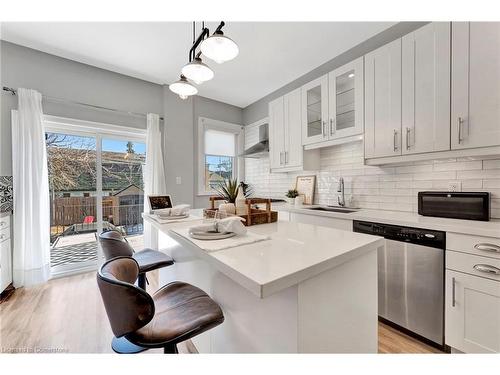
(179, 210)
(231, 224)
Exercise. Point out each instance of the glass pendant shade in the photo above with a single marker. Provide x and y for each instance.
(183, 88)
(219, 48)
(197, 71)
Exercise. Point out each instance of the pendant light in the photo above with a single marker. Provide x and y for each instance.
(219, 47)
(183, 88)
(198, 71)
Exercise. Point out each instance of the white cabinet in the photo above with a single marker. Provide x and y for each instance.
(276, 132)
(285, 141)
(426, 89)
(383, 101)
(472, 313)
(332, 105)
(315, 111)
(345, 100)
(5, 254)
(293, 129)
(475, 109)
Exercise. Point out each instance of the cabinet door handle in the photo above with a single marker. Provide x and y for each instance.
(323, 129)
(332, 128)
(492, 248)
(2, 223)
(394, 140)
(286, 157)
(453, 292)
(486, 268)
(281, 158)
(408, 130)
(460, 123)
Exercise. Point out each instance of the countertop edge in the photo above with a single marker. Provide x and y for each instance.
(434, 223)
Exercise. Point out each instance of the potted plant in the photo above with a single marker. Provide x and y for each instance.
(291, 195)
(228, 189)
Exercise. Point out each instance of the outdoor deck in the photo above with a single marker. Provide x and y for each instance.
(81, 248)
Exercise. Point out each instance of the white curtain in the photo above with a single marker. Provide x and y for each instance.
(31, 254)
(154, 173)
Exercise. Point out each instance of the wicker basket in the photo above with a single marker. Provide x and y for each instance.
(253, 216)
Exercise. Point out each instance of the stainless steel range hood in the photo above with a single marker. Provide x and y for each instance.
(261, 148)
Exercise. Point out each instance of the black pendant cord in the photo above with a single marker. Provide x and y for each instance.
(204, 33)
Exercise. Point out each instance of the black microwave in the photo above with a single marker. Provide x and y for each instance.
(456, 205)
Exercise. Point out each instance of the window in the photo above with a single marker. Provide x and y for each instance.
(219, 144)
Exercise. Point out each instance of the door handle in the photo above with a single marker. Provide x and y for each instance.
(486, 268)
(332, 128)
(323, 130)
(452, 292)
(286, 157)
(408, 130)
(487, 247)
(281, 158)
(394, 141)
(460, 123)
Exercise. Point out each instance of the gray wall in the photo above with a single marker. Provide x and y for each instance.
(67, 79)
(259, 109)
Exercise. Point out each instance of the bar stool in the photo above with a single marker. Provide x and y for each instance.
(114, 245)
(175, 313)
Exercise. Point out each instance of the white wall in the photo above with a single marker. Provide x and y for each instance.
(387, 187)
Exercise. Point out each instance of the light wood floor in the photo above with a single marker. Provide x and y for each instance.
(67, 315)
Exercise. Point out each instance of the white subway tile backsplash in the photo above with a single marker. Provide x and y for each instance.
(393, 187)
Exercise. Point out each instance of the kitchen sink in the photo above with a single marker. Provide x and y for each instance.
(333, 209)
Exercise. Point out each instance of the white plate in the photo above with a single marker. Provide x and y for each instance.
(173, 217)
(205, 236)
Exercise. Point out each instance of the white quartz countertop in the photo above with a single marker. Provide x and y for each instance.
(295, 252)
(410, 219)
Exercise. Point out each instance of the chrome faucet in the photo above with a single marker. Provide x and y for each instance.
(340, 189)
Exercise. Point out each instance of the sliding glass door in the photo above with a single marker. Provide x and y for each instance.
(72, 167)
(96, 184)
(123, 187)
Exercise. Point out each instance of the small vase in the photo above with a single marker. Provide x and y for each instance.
(240, 203)
(299, 201)
(290, 201)
(228, 208)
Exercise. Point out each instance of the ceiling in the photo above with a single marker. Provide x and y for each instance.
(272, 54)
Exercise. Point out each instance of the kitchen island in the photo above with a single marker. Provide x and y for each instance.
(307, 289)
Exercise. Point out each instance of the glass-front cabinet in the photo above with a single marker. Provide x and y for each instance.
(332, 105)
(345, 86)
(315, 111)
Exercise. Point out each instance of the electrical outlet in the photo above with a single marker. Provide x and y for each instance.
(178, 180)
(454, 186)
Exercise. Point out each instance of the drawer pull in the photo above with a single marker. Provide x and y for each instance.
(2, 236)
(487, 247)
(487, 269)
(453, 301)
(2, 223)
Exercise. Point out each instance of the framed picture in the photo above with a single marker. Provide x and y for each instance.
(305, 185)
(157, 202)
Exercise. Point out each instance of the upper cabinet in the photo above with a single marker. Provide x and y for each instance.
(383, 101)
(475, 87)
(345, 100)
(332, 105)
(285, 142)
(426, 89)
(315, 111)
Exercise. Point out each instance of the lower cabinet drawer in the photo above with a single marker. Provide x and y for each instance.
(477, 245)
(472, 313)
(473, 264)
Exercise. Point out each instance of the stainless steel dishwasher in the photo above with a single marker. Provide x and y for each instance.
(410, 278)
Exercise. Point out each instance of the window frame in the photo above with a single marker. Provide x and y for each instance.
(238, 166)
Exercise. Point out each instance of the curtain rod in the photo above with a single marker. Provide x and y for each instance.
(53, 99)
